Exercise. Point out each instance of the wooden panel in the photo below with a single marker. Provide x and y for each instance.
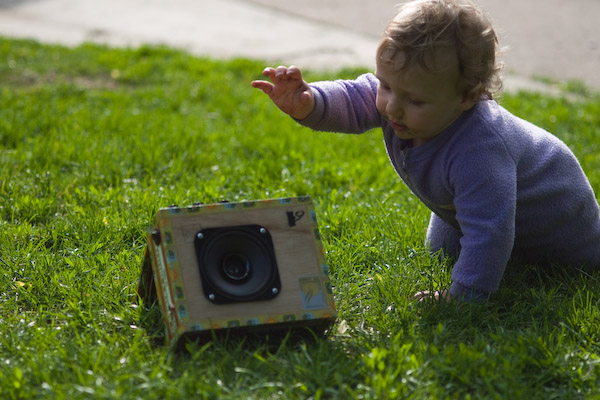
(305, 291)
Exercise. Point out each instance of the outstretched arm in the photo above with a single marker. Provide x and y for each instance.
(288, 91)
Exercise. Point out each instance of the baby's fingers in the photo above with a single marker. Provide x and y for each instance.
(275, 74)
(269, 72)
(433, 295)
(266, 87)
(281, 72)
(294, 72)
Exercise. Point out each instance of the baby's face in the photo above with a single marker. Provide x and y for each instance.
(418, 104)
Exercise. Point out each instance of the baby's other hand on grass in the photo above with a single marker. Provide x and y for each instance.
(288, 91)
(434, 295)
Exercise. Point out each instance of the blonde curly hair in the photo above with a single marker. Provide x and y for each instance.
(425, 32)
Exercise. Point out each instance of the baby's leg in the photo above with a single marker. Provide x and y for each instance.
(441, 236)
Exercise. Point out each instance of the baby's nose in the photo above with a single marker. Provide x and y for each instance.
(394, 107)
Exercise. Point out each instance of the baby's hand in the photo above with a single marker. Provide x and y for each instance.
(288, 91)
(436, 295)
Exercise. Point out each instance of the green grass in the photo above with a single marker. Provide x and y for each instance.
(94, 140)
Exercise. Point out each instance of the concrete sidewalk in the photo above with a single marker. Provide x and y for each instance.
(548, 38)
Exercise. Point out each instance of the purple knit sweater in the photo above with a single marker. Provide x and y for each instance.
(510, 188)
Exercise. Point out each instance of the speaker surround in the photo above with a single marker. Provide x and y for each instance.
(235, 268)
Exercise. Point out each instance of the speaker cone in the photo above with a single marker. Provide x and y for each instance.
(237, 264)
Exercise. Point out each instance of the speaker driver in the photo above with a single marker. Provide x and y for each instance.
(237, 264)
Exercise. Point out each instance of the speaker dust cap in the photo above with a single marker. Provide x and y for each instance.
(237, 264)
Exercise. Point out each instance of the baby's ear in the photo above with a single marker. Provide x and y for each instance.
(471, 97)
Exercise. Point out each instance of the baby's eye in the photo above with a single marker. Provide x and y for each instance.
(415, 102)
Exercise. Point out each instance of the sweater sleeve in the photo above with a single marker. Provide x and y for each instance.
(346, 106)
(484, 180)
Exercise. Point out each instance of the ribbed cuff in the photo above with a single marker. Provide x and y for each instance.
(316, 115)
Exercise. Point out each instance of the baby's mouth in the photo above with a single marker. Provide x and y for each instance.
(397, 126)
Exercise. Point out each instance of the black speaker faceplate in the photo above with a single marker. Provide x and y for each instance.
(237, 264)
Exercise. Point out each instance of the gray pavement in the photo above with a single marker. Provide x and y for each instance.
(554, 39)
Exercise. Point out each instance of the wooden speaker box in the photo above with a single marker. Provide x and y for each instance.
(238, 268)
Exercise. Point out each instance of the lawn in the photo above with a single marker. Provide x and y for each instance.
(93, 141)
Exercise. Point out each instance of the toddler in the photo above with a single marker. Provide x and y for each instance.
(499, 188)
